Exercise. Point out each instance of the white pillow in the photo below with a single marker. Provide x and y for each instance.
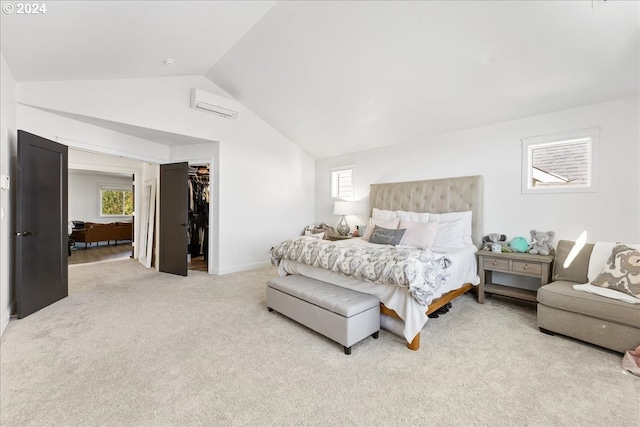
(605, 292)
(383, 214)
(413, 216)
(315, 235)
(408, 215)
(451, 234)
(390, 223)
(466, 218)
(419, 234)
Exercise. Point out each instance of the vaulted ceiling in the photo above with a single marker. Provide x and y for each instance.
(338, 77)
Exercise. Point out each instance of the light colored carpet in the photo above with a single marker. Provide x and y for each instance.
(135, 347)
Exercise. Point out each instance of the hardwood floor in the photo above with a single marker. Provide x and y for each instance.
(198, 264)
(103, 252)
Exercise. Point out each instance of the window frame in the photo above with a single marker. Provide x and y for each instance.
(333, 184)
(530, 143)
(113, 187)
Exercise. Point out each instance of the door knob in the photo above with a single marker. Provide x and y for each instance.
(26, 233)
(183, 224)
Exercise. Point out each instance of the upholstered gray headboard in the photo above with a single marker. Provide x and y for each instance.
(435, 196)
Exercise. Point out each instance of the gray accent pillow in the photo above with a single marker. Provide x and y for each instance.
(386, 236)
(621, 272)
(578, 269)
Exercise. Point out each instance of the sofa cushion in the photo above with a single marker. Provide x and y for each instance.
(561, 295)
(578, 268)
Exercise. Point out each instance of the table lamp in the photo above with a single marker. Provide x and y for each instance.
(343, 208)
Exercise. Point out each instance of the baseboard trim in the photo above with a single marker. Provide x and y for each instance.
(240, 268)
(6, 316)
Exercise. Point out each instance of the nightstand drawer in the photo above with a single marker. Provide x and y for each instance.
(527, 268)
(496, 264)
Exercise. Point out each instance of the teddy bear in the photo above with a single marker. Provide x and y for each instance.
(541, 242)
(493, 238)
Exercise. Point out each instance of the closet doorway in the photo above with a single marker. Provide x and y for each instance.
(198, 233)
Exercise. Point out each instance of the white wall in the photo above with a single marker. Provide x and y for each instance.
(84, 195)
(612, 213)
(266, 183)
(8, 153)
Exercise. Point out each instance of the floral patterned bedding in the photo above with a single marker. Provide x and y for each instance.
(421, 271)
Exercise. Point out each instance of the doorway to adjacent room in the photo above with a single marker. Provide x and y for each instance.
(198, 233)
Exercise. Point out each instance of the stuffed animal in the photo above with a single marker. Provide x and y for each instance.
(541, 242)
(519, 244)
(490, 239)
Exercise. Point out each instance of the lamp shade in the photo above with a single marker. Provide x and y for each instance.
(343, 208)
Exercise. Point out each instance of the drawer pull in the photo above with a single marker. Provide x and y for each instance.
(525, 266)
(495, 262)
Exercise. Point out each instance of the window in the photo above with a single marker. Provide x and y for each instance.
(560, 163)
(342, 183)
(116, 201)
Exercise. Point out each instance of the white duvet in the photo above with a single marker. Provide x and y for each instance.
(463, 270)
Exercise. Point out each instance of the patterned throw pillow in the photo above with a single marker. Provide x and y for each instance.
(386, 236)
(621, 272)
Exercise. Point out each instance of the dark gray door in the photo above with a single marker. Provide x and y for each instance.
(133, 218)
(174, 203)
(41, 235)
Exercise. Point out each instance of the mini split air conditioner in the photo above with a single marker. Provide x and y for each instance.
(210, 103)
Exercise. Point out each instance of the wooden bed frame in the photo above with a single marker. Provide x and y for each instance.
(435, 305)
(434, 196)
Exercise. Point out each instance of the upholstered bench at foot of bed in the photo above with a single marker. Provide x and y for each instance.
(343, 315)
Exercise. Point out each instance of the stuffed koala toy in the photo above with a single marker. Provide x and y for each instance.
(541, 242)
(492, 238)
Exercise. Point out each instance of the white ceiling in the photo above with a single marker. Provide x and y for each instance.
(337, 77)
(95, 40)
(99, 173)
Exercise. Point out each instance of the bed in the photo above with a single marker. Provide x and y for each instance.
(401, 312)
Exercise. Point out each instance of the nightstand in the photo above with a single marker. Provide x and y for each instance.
(334, 237)
(519, 264)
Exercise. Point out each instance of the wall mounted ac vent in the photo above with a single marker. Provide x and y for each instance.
(210, 103)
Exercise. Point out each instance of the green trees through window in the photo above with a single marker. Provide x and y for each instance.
(116, 202)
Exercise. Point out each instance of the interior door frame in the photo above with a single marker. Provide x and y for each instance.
(214, 214)
(212, 158)
(137, 174)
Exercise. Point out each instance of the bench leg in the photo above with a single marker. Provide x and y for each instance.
(375, 335)
(347, 350)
